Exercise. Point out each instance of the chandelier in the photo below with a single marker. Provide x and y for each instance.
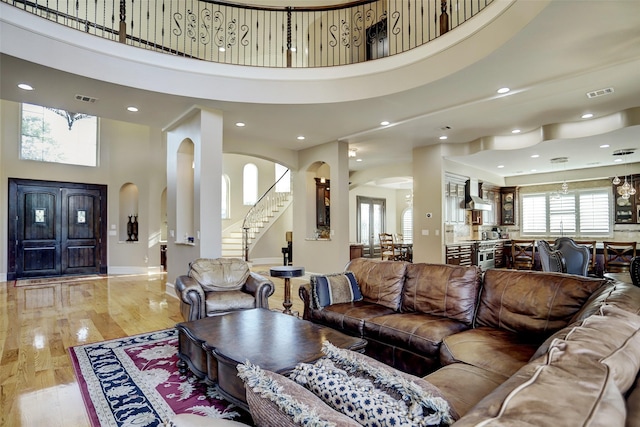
(564, 188)
(626, 190)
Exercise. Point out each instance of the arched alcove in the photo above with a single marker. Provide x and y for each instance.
(185, 192)
(319, 208)
(128, 213)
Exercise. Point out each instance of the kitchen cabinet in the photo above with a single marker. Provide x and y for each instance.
(459, 254)
(627, 211)
(508, 203)
(454, 189)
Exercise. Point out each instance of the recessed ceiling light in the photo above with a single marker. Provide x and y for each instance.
(587, 115)
(443, 137)
(617, 160)
(605, 146)
(516, 131)
(240, 124)
(384, 123)
(358, 160)
(500, 166)
(503, 90)
(300, 138)
(533, 170)
(25, 86)
(132, 109)
(535, 156)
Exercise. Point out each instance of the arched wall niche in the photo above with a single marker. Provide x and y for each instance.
(185, 180)
(128, 204)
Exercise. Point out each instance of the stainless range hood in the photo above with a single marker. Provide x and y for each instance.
(472, 200)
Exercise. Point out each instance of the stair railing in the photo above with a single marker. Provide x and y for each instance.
(261, 212)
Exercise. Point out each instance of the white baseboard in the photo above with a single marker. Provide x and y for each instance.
(170, 289)
(134, 270)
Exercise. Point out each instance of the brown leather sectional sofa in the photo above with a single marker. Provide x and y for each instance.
(504, 347)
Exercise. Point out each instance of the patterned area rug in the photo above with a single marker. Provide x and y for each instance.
(134, 381)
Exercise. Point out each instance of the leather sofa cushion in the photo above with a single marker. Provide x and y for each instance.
(464, 385)
(442, 290)
(216, 302)
(633, 405)
(221, 274)
(494, 350)
(532, 302)
(589, 371)
(380, 282)
(420, 333)
(348, 317)
(620, 294)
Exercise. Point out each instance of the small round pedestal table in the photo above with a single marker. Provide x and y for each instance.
(287, 272)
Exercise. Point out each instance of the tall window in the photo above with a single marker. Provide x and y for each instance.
(250, 184)
(407, 225)
(225, 196)
(284, 185)
(579, 213)
(58, 136)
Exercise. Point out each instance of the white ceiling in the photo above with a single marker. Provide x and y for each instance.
(572, 47)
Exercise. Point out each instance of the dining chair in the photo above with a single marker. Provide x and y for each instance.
(635, 270)
(549, 258)
(618, 255)
(388, 248)
(523, 254)
(576, 256)
(593, 266)
(398, 241)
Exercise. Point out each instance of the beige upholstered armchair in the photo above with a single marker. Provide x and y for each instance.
(216, 286)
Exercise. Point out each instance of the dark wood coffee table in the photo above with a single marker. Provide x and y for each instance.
(212, 347)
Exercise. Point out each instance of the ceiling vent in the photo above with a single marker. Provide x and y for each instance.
(600, 92)
(85, 98)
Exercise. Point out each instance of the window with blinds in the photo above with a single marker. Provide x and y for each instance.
(578, 213)
(407, 225)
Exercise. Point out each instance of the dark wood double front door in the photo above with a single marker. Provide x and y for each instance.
(56, 228)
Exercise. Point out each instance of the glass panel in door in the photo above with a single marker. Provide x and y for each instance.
(370, 217)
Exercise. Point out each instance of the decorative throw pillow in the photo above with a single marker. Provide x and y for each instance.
(334, 289)
(355, 397)
(369, 392)
(276, 389)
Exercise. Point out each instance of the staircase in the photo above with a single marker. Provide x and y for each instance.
(240, 238)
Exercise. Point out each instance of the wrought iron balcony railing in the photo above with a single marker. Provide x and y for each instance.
(238, 34)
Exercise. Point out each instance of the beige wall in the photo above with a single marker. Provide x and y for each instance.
(390, 195)
(127, 153)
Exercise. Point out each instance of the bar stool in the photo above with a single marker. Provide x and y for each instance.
(523, 254)
(618, 255)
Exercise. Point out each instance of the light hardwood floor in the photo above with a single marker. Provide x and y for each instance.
(39, 323)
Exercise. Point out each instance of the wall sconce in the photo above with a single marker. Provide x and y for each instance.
(323, 180)
(353, 152)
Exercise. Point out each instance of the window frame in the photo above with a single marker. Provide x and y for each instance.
(576, 194)
(67, 145)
